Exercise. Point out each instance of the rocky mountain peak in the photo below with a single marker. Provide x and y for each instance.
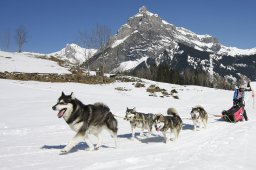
(74, 54)
(143, 10)
(146, 41)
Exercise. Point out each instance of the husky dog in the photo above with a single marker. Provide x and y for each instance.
(168, 124)
(199, 115)
(85, 120)
(139, 120)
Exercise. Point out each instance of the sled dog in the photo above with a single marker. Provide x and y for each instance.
(199, 116)
(171, 123)
(139, 120)
(85, 120)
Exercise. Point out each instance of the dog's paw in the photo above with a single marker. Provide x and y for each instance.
(132, 138)
(149, 135)
(166, 141)
(63, 152)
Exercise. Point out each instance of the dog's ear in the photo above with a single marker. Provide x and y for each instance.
(158, 115)
(62, 94)
(72, 96)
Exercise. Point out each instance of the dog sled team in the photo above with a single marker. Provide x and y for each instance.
(93, 118)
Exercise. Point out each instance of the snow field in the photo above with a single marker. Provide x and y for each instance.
(31, 135)
(19, 62)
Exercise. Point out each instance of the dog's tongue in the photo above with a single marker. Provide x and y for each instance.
(61, 113)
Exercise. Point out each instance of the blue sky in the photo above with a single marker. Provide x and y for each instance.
(51, 24)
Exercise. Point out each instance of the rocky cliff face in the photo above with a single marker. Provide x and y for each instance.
(146, 40)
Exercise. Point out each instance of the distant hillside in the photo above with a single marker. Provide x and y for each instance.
(29, 63)
(40, 67)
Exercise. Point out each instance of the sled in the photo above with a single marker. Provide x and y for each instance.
(234, 114)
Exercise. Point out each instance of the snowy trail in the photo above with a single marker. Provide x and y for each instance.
(31, 135)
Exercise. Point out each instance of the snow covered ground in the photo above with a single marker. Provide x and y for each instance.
(28, 63)
(31, 135)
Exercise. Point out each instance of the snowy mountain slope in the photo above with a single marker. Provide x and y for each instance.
(28, 63)
(147, 35)
(209, 43)
(127, 65)
(31, 135)
(74, 54)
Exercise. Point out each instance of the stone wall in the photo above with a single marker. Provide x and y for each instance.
(80, 78)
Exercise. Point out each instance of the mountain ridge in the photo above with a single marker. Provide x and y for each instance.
(73, 54)
(146, 36)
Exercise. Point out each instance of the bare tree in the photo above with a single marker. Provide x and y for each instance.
(21, 37)
(7, 39)
(96, 38)
(102, 34)
(87, 42)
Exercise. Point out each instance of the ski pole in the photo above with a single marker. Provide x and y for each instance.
(253, 99)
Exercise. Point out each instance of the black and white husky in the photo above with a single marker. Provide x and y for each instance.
(85, 120)
(171, 123)
(139, 120)
(199, 116)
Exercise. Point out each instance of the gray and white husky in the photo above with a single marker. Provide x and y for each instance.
(85, 120)
(139, 120)
(171, 123)
(199, 116)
